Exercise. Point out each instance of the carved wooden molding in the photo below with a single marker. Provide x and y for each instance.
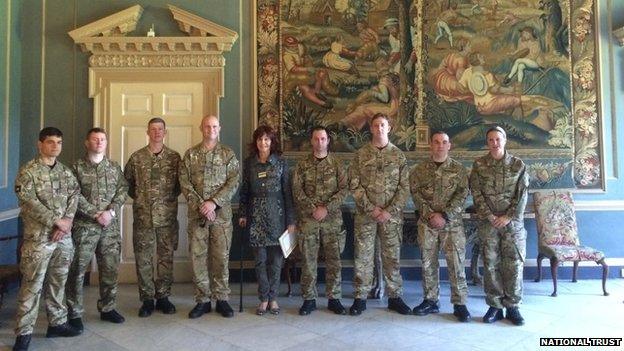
(105, 40)
(619, 35)
(116, 24)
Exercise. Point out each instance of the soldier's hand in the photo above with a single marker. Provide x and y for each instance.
(501, 221)
(319, 213)
(384, 216)
(105, 218)
(57, 235)
(436, 221)
(292, 228)
(242, 222)
(376, 212)
(64, 224)
(207, 206)
(211, 216)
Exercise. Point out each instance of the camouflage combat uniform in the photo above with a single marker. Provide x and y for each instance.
(45, 195)
(378, 177)
(210, 175)
(443, 189)
(153, 184)
(102, 187)
(499, 187)
(320, 182)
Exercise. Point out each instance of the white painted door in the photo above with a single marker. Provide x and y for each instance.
(132, 105)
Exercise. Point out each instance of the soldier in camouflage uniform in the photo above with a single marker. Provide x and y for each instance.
(319, 187)
(103, 191)
(48, 196)
(439, 188)
(209, 177)
(499, 187)
(380, 186)
(152, 175)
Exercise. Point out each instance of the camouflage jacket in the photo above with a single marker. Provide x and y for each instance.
(210, 175)
(102, 187)
(320, 182)
(153, 184)
(499, 187)
(442, 189)
(45, 195)
(379, 178)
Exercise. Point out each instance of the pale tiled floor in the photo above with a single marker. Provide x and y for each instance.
(579, 311)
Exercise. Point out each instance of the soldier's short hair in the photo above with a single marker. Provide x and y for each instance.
(435, 132)
(95, 130)
(258, 133)
(157, 120)
(496, 129)
(318, 128)
(380, 115)
(49, 131)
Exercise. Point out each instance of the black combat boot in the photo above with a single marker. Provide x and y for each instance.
(200, 309)
(359, 306)
(492, 315)
(224, 308)
(147, 308)
(513, 314)
(426, 307)
(61, 330)
(112, 316)
(336, 306)
(307, 307)
(22, 342)
(461, 312)
(397, 304)
(165, 306)
(76, 323)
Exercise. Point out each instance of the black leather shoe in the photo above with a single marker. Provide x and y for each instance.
(492, 315)
(22, 342)
(359, 305)
(200, 309)
(397, 304)
(224, 308)
(76, 323)
(513, 314)
(307, 307)
(461, 312)
(146, 309)
(165, 306)
(336, 306)
(426, 307)
(61, 330)
(112, 316)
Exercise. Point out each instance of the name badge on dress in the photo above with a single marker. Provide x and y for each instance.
(262, 174)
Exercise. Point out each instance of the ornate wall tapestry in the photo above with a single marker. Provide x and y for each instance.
(457, 65)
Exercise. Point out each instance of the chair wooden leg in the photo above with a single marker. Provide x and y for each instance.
(540, 257)
(575, 271)
(287, 269)
(605, 274)
(554, 265)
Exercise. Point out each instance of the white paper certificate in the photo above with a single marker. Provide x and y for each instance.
(288, 242)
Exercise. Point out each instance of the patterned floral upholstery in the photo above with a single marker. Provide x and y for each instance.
(558, 236)
(557, 230)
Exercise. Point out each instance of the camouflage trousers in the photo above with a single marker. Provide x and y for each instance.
(163, 240)
(331, 237)
(390, 236)
(210, 257)
(106, 244)
(452, 240)
(44, 267)
(504, 251)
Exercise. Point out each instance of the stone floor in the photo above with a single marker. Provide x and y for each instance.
(579, 311)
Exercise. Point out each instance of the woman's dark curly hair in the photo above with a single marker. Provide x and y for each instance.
(258, 133)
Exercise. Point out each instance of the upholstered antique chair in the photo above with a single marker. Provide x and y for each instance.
(558, 236)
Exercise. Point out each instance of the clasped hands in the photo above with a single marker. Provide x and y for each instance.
(62, 227)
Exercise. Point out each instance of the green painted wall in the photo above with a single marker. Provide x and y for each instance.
(56, 71)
